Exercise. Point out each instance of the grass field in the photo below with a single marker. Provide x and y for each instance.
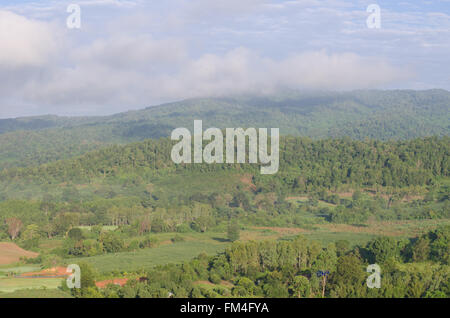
(104, 227)
(36, 293)
(150, 257)
(189, 183)
(11, 284)
(405, 228)
(352, 238)
(195, 243)
(211, 243)
(11, 253)
(18, 270)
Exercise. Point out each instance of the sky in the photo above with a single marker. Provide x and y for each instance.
(132, 54)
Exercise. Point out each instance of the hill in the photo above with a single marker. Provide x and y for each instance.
(305, 165)
(382, 115)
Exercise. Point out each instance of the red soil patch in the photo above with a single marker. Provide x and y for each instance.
(11, 253)
(296, 198)
(409, 198)
(55, 271)
(345, 194)
(166, 242)
(247, 180)
(115, 281)
(204, 282)
(373, 193)
(226, 283)
(282, 230)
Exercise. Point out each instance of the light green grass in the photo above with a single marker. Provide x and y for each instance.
(352, 238)
(8, 285)
(36, 293)
(18, 270)
(104, 227)
(150, 257)
(189, 183)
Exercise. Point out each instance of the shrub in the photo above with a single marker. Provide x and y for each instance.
(177, 239)
(183, 228)
(214, 278)
(148, 242)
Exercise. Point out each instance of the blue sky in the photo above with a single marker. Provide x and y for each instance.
(133, 54)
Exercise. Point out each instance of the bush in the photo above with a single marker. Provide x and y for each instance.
(75, 234)
(30, 244)
(177, 239)
(148, 242)
(214, 278)
(134, 245)
(112, 243)
(183, 228)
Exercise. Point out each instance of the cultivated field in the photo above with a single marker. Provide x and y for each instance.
(11, 253)
(193, 244)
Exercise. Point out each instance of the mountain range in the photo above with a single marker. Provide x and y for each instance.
(372, 114)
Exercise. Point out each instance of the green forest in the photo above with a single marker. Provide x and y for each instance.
(104, 193)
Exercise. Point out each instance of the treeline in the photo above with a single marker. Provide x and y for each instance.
(150, 213)
(300, 268)
(304, 164)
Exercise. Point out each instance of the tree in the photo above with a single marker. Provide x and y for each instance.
(421, 250)
(342, 246)
(30, 237)
(75, 234)
(325, 264)
(382, 248)
(356, 196)
(31, 232)
(301, 286)
(349, 278)
(14, 227)
(87, 280)
(244, 287)
(64, 221)
(144, 225)
(111, 242)
(70, 194)
(233, 232)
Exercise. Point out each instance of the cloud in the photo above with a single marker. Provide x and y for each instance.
(24, 42)
(243, 71)
(223, 7)
(117, 3)
(132, 53)
(137, 71)
(154, 52)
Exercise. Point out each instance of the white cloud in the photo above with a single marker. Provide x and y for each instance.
(106, 77)
(157, 51)
(243, 71)
(223, 7)
(132, 53)
(24, 42)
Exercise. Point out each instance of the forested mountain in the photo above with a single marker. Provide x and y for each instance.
(126, 182)
(305, 165)
(382, 115)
